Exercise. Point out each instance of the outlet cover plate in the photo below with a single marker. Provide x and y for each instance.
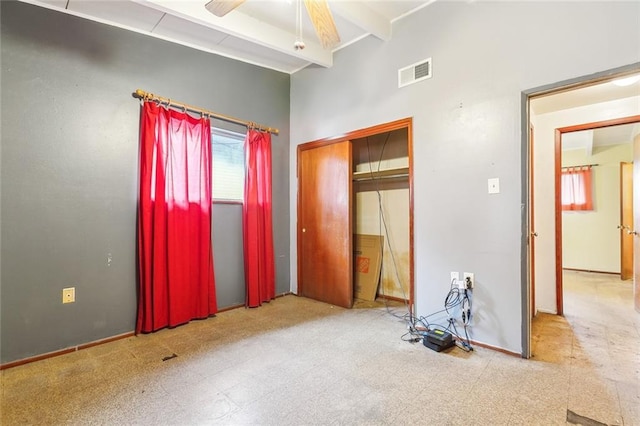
(493, 186)
(69, 295)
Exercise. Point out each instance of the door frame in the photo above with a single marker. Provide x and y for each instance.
(405, 123)
(532, 231)
(558, 191)
(525, 228)
(626, 198)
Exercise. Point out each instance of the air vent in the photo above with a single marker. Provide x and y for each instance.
(414, 73)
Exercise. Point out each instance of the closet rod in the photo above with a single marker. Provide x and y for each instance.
(141, 94)
(369, 179)
(400, 172)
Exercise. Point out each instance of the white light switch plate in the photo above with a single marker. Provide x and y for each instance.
(494, 185)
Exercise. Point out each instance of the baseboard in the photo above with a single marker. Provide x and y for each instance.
(392, 298)
(232, 307)
(94, 343)
(131, 334)
(65, 351)
(284, 294)
(496, 348)
(545, 311)
(483, 345)
(590, 270)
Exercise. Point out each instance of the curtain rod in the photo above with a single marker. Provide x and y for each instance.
(141, 94)
(577, 167)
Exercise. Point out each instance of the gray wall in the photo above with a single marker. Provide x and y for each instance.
(467, 128)
(69, 170)
(228, 254)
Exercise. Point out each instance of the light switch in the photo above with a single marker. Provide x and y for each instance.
(494, 186)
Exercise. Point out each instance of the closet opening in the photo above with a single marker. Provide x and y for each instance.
(381, 216)
(355, 217)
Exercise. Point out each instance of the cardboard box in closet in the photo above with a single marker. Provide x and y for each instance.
(367, 261)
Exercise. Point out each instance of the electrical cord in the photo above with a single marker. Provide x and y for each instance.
(454, 298)
(382, 223)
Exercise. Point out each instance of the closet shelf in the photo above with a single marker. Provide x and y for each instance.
(400, 172)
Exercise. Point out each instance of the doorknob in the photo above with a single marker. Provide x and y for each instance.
(630, 232)
(534, 234)
(624, 227)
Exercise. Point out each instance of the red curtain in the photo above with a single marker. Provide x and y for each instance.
(175, 255)
(259, 264)
(576, 188)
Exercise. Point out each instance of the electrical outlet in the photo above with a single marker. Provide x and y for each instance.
(69, 295)
(494, 185)
(455, 277)
(469, 279)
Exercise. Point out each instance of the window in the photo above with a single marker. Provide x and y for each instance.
(228, 165)
(576, 188)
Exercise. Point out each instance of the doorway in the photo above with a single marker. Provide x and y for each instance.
(539, 172)
(609, 143)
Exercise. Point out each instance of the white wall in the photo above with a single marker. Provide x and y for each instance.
(590, 239)
(544, 190)
(466, 128)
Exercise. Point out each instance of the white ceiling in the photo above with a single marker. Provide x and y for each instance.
(260, 32)
(589, 139)
(593, 94)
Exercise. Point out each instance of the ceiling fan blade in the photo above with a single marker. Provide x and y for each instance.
(323, 23)
(222, 7)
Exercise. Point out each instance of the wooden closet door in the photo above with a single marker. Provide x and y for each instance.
(325, 270)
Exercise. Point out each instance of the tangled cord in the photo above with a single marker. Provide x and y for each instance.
(419, 326)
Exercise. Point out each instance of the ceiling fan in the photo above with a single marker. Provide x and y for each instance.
(318, 11)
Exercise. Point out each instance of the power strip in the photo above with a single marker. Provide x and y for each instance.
(438, 340)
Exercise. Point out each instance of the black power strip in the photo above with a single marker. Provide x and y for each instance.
(438, 340)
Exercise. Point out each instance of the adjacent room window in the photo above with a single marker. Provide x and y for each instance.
(228, 165)
(576, 188)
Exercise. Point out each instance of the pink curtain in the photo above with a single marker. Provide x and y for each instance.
(576, 188)
(259, 264)
(175, 255)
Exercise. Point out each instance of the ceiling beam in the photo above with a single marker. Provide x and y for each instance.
(364, 17)
(244, 27)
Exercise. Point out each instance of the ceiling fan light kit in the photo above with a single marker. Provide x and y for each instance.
(318, 11)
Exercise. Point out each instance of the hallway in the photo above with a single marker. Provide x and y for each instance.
(599, 333)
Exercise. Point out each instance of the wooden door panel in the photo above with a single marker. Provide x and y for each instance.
(626, 221)
(325, 224)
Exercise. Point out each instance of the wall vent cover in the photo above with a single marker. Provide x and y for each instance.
(414, 73)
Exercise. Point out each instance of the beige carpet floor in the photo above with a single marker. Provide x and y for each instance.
(295, 361)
